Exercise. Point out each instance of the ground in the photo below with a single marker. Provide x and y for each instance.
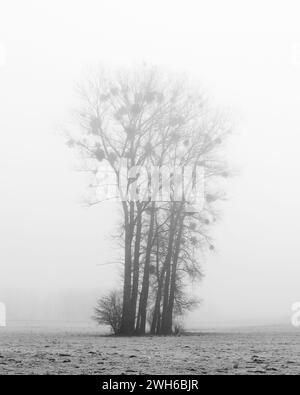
(83, 351)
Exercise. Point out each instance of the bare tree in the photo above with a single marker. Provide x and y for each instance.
(150, 119)
(109, 311)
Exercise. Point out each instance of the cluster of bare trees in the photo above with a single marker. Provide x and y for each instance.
(154, 120)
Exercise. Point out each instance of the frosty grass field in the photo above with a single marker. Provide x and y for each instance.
(86, 351)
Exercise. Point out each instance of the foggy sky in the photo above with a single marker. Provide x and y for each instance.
(247, 59)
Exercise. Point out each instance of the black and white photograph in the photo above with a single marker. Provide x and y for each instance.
(149, 190)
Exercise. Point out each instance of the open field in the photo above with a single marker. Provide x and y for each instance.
(84, 351)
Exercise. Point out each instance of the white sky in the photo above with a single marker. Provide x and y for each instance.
(247, 57)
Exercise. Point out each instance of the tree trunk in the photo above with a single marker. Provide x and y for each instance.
(155, 326)
(126, 313)
(169, 315)
(145, 286)
(167, 265)
(136, 266)
(156, 312)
